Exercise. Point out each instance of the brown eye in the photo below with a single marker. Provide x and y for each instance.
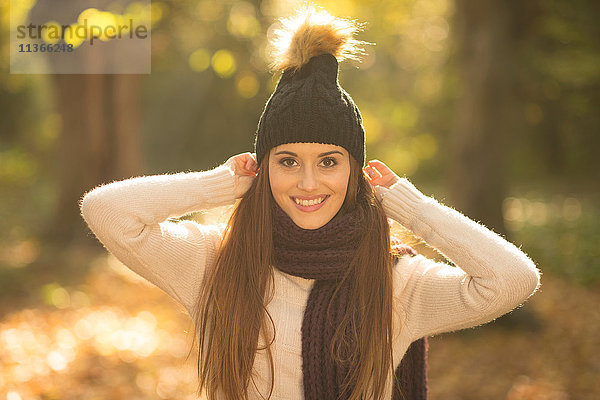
(329, 162)
(287, 162)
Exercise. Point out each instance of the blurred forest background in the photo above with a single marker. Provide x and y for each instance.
(489, 106)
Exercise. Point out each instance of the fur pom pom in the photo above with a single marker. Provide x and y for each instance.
(312, 32)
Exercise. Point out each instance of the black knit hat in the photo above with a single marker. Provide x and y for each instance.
(308, 104)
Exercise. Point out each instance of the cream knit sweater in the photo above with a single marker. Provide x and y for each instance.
(131, 219)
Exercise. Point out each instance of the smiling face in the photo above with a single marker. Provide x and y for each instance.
(309, 181)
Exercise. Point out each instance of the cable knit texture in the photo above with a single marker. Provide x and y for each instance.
(322, 254)
(325, 254)
(310, 106)
(133, 219)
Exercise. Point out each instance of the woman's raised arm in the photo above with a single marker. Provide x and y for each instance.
(131, 219)
(492, 278)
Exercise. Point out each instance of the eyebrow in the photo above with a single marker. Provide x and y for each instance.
(320, 155)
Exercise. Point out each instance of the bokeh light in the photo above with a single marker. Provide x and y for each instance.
(247, 84)
(223, 63)
(74, 338)
(199, 60)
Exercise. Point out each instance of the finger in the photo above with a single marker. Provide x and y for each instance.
(372, 183)
(250, 166)
(380, 166)
(372, 172)
(255, 162)
(375, 177)
(376, 162)
(240, 165)
(250, 158)
(242, 157)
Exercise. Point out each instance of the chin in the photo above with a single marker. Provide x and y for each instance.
(310, 223)
(309, 226)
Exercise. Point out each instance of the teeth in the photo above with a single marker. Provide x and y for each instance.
(307, 203)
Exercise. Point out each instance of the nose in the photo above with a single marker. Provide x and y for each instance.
(308, 179)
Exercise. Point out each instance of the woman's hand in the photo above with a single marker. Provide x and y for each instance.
(379, 174)
(244, 167)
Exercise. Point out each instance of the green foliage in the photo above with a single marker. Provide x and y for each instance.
(560, 234)
(559, 84)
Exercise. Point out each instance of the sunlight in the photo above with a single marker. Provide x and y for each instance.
(247, 84)
(52, 34)
(209, 10)
(35, 343)
(223, 63)
(19, 11)
(78, 324)
(13, 396)
(56, 360)
(520, 211)
(372, 124)
(158, 11)
(242, 20)
(199, 60)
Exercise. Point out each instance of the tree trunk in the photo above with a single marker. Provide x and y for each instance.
(99, 142)
(484, 119)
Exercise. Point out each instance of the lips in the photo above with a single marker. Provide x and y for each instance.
(312, 203)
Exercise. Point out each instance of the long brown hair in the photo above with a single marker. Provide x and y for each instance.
(231, 311)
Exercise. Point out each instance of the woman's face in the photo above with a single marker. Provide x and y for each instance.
(309, 181)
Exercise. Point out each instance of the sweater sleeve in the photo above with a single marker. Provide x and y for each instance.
(132, 220)
(491, 277)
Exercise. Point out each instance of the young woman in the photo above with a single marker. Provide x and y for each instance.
(302, 295)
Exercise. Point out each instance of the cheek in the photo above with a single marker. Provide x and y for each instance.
(278, 184)
(339, 183)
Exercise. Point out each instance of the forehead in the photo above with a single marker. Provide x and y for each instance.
(308, 149)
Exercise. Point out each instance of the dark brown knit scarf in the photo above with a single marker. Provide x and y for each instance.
(324, 254)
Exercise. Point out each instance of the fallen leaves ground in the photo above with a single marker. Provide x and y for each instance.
(115, 336)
